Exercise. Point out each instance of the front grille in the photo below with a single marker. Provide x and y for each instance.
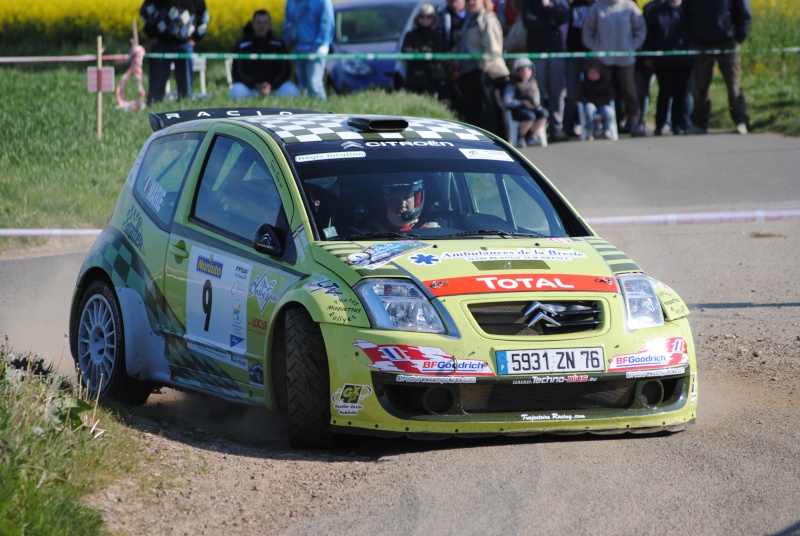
(557, 318)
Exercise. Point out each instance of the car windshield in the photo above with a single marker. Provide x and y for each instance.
(427, 189)
(372, 24)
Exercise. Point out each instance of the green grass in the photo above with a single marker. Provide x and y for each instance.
(51, 452)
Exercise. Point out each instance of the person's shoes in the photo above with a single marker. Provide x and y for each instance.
(532, 140)
(577, 131)
(558, 135)
(741, 128)
(694, 130)
(638, 132)
(521, 143)
(678, 131)
(658, 131)
(607, 135)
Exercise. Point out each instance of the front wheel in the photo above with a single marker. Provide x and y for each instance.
(100, 348)
(308, 403)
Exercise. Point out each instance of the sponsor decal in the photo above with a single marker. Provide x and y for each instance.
(350, 144)
(223, 357)
(552, 417)
(263, 291)
(657, 353)
(542, 380)
(409, 143)
(561, 240)
(347, 310)
(258, 324)
(436, 379)
(324, 283)
(242, 272)
(235, 340)
(132, 228)
(424, 259)
(237, 312)
(154, 193)
(376, 256)
(522, 283)
(535, 254)
(485, 154)
(420, 360)
(347, 399)
(257, 375)
(238, 288)
(208, 266)
(329, 156)
(655, 373)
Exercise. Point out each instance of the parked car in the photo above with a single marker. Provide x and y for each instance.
(372, 275)
(369, 27)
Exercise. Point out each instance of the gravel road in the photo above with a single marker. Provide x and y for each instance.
(224, 469)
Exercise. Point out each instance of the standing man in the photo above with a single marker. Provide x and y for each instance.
(717, 25)
(308, 29)
(546, 22)
(173, 26)
(256, 78)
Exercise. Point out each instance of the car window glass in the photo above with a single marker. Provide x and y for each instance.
(162, 173)
(372, 24)
(237, 193)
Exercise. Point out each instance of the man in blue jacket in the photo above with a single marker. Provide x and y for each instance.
(308, 29)
(717, 25)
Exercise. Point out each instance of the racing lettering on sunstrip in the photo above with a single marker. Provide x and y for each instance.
(429, 143)
(522, 283)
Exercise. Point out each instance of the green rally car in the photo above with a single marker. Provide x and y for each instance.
(372, 275)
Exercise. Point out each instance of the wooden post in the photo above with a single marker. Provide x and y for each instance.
(99, 87)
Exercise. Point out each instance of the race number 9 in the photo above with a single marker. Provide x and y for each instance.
(206, 297)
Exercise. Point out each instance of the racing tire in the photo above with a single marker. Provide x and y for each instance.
(100, 348)
(308, 402)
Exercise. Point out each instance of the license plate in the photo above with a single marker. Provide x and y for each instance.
(562, 360)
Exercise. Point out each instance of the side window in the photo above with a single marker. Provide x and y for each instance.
(162, 173)
(237, 193)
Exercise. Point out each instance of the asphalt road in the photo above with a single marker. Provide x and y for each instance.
(737, 471)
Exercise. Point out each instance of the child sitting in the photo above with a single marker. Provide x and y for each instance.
(597, 95)
(521, 97)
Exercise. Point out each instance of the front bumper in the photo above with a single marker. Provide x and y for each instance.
(367, 400)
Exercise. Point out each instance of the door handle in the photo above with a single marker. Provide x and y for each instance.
(179, 251)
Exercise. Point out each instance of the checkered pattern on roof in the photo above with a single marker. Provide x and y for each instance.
(328, 127)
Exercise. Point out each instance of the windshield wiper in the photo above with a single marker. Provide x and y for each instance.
(498, 232)
(376, 235)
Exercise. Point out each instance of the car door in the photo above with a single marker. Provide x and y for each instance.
(226, 291)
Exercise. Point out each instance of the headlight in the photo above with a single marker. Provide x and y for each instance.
(398, 305)
(356, 68)
(641, 303)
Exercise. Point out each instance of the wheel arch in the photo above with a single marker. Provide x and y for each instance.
(88, 277)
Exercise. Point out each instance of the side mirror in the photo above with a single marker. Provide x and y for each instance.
(266, 241)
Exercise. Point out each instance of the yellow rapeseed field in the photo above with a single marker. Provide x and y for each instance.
(63, 19)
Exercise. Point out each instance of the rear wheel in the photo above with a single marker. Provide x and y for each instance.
(308, 403)
(100, 348)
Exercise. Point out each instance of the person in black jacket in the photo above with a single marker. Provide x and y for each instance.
(597, 95)
(423, 76)
(256, 78)
(546, 22)
(574, 66)
(173, 26)
(672, 72)
(717, 25)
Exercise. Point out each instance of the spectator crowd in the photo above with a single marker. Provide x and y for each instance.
(522, 99)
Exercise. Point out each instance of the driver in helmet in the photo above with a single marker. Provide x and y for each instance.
(402, 206)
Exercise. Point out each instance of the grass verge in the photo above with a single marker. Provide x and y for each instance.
(53, 451)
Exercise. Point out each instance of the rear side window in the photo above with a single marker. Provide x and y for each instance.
(163, 172)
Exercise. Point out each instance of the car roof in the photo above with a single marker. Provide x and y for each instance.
(299, 126)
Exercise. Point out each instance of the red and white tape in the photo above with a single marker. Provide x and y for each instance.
(620, 221)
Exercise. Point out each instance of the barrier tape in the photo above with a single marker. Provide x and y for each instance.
(404, 56)
(665, 219)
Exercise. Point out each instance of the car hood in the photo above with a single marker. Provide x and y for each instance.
(456, 267)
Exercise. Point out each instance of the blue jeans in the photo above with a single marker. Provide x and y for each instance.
(160, 69)
(606, 112)
(550, 76)
(310, 75)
